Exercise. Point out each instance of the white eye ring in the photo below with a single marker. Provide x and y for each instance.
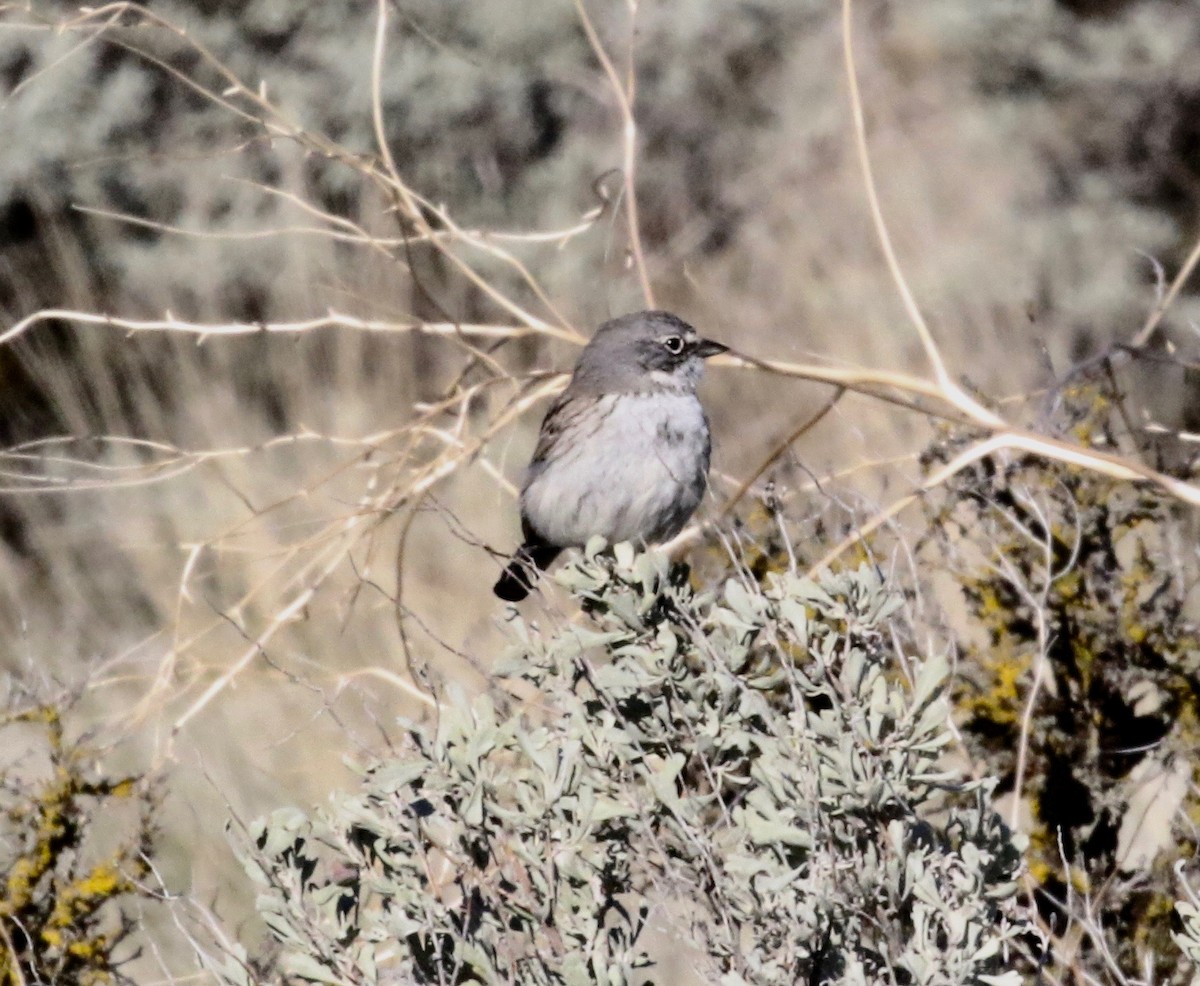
(673, 345)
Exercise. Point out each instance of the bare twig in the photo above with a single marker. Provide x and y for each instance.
(793, 436)
(950, 390)
(624, 93)
(1159, 310)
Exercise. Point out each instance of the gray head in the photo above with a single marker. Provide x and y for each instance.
(640, 352)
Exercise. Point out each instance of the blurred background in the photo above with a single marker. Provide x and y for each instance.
(200, 533)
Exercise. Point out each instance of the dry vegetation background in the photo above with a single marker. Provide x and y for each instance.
(244, 542)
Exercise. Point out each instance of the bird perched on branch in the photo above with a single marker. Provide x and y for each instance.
(623, 452)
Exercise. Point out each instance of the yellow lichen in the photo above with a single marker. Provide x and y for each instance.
(48, 892)
(1001, 702)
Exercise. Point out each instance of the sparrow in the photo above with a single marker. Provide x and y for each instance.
(623, 452)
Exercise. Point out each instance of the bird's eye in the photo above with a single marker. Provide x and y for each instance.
(673, 345)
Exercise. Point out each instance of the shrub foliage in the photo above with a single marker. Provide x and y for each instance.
(755, 769)
(60, 885)
(1080, 683)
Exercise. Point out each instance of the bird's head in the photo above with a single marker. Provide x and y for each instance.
(644, 351)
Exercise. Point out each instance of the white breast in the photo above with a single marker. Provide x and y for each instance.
(637, 475)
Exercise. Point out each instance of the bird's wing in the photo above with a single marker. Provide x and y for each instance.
(571, 418)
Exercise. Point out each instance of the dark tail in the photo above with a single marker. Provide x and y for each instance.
(527, 564)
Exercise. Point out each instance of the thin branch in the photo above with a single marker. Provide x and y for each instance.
(1049, 448)
(795, 435)
(951, 391)
(1156, 314)
(333, 319)
(629, 131)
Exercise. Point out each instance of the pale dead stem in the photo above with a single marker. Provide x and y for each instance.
(1038, 603)
(52, 65)
(1017, 440)
(1005, 436)
(412, 207)
(12, 966)
(1158, 311)
(307, 565)
(304, 567)
(263, 113)
(780, 449)
(940, 396)
(345, 230)
(334, 542)
(624, 94)
(947, 387)
(35, 460)
(206, 330)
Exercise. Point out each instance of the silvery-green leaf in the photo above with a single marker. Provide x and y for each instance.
(299, 964)
(279, 830)
(764, 832)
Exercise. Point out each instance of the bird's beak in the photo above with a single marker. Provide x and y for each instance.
(705, 348)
